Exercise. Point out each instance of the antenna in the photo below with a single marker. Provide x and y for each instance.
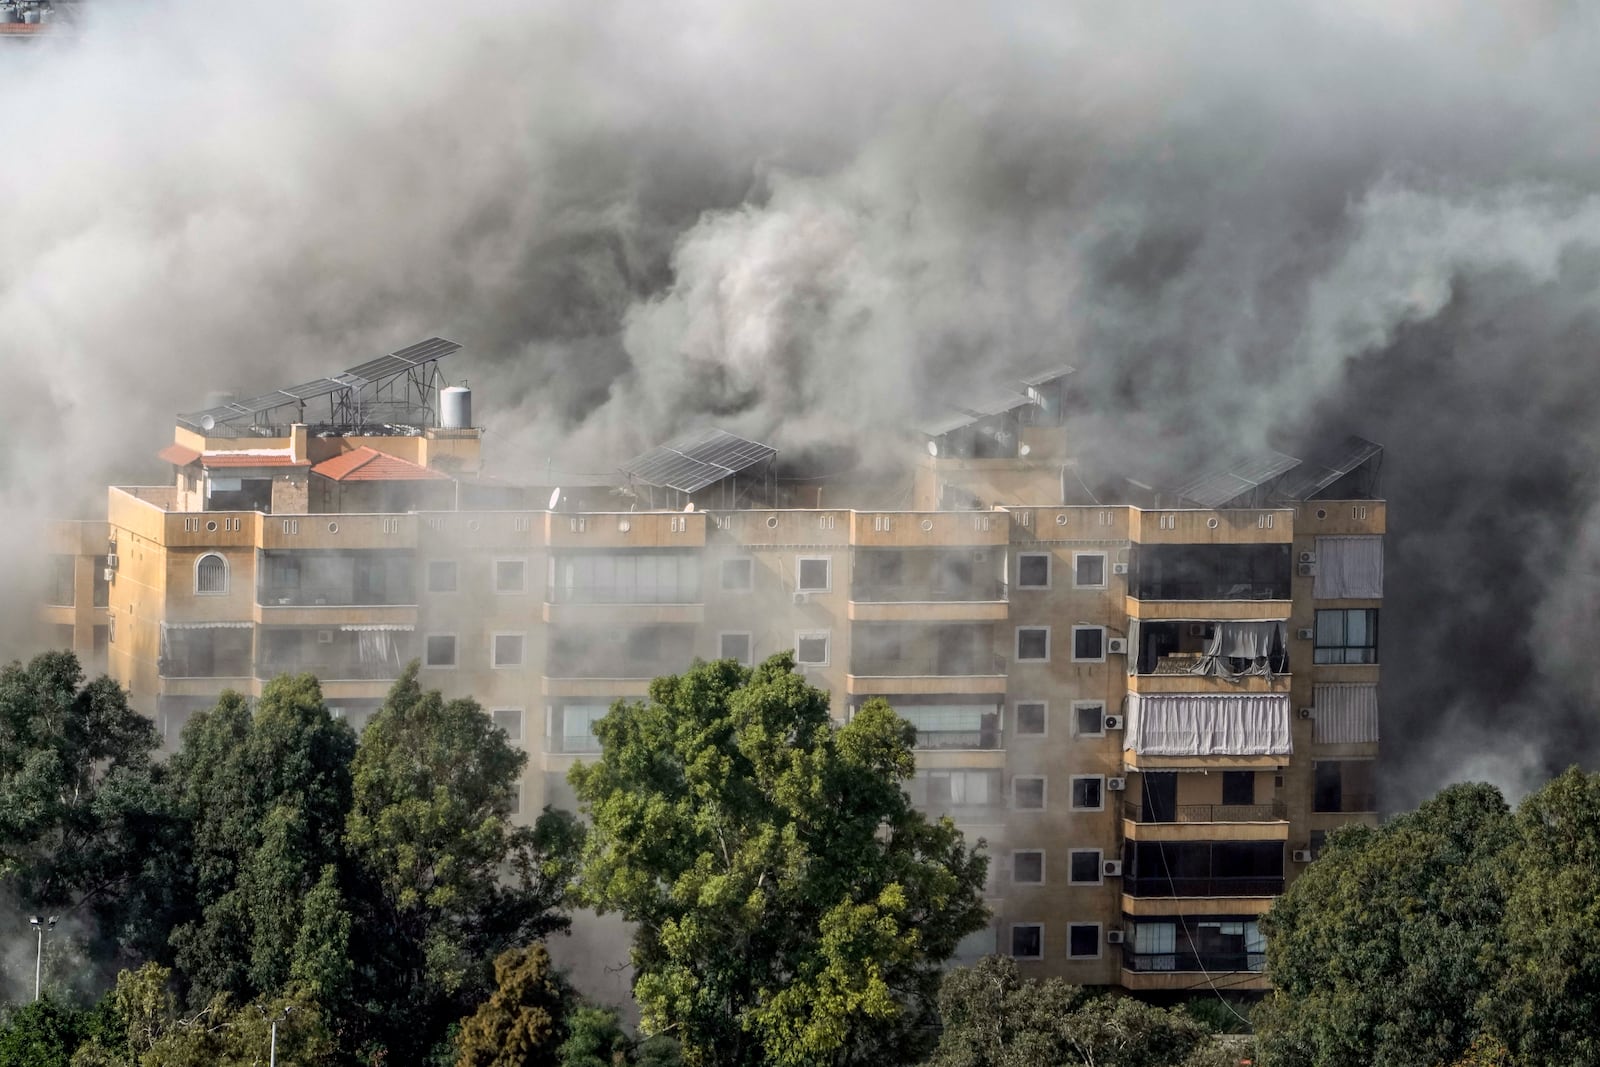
(689, 506)
(207, 423)
(933, 449)
(555, 499)
(1023, 450)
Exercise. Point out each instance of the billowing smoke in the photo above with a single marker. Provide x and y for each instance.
(1246, 224)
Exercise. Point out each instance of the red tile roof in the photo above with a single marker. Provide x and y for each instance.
(369, 465)
(178, 455)
(251, 459)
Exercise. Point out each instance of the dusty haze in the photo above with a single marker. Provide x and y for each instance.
(1244, 223)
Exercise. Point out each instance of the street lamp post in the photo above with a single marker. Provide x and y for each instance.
(40, 924)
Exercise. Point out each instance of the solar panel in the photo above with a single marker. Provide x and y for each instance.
(1218, 487)
(412, 356)
(1317, 474)
(694, 461)
(1047, 374)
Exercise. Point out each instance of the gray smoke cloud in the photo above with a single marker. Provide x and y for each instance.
(1245, 224)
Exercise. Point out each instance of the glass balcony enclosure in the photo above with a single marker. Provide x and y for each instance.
(912, 575)
(354, 577)
(664, 576)
(1210, 572)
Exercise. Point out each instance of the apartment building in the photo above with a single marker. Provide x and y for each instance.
(1151, 709)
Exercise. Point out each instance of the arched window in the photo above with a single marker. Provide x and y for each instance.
(211, 574)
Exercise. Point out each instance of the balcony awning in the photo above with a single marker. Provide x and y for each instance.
(373, 627)
(1209, 724)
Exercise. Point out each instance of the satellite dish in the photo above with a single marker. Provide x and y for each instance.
(555, 499)
(207, 423)
(1023, 450)
(933, 448)
(689, 506)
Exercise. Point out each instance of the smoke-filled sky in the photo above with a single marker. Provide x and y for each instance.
(1243, 222)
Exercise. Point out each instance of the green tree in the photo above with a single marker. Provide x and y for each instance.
(595, 1038)
(992, 1017)
(523, 1023)
(267, 793)
(446, 882)
(792, 907)
(44, 1033)
(1384, 950)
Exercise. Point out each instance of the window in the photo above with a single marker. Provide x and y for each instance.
(1089, 644)
(1347, 636)
(811, 649)
(1031, 719)
(1089, 718)
(1027, 941)
(738, 575)
(510, 576)
(509, 720)
(440, 651)
(442, 576)
(1089, 570)
(1033, 643)
(1027, 792)
(1083, 941)
(507, 649)
(63, 589)
(1343, 785)
(734, 646)
(1238, 787)
(1084, 866)
(942, 791)
(1088, 792)
(211, 575)
(1027, 867)
(514, 802)
(1033, 570)
(814, 574)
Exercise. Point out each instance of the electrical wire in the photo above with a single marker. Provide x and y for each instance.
(1183, 920)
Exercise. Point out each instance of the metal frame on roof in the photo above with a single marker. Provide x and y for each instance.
(1218, 487)
(1315, 475)
(691, 463)
(399, 388)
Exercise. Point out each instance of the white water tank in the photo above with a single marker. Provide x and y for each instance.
(455, 407)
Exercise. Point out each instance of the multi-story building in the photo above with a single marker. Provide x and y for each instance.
(1151, 704)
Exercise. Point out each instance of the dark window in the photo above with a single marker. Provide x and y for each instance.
(815, 575)
(735, 647)
(1033, 642)
(1086, 792)
(812, 649)
(508, 650)
(63, 589)
(211, 574)
(440, 651)
(1211, 572)
(1085, 865)
(1238, 787)
(1083, 940)
(1347, 636)
(1343, 785)
(1029, 793)
(509, 720)
(738, 575)
(510, 576)
(1030, 719)
(1033, 570)
(442, 576)
(1027, 941)
(1090, 568)
(1091, 719)
(1088, 642)
(1027, 867)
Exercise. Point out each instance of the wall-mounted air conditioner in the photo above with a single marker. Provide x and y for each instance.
(1302, 855)
(1111, 868)
(1307, 713)
(109, 575)
(802, 598)
(1117, 646)
(1308, 557)
(1119, 568)
(1113, 937)
(1306, 633)
(1116, 785)
(324, 637)
(980, 555)
(1113, 722)
(1308, 570)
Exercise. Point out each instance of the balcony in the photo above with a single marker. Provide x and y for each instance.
(1215, 962)
(594, 613)
(1206, 822)
(1210, 886)
(1207, 813)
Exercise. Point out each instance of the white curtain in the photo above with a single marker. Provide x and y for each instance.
(1345, 714)
(1349, 568)
(1252, 641)
(1181, 724)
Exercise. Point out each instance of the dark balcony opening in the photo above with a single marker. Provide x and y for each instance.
(1343, 786)
(63, 591)
(964, 795)
(1203, 869)
(895, 649)
(333, 653)
(572, 724)
(893, 576)
(1218, 944)
(620, 652)
(662, 576)
(1178, 648)
(356, 577)
(239, 494)
(953, 721)
(1210, 572)
(205, 652)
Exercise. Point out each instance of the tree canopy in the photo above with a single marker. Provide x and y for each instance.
(792, 906)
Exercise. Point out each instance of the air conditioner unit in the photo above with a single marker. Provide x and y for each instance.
(1306, 633)
(1113, 937)
(1116, 785)
(1307, 713)
(1113, 722)
(1302, 855)
(112, 561)
(1197, 629)
(1308, 557)
(1117, 646)
(1111, 868)
(1119, 568)
(980, 555)
(802, 598)
(1308, 570)
(324, 637)
(109, 575)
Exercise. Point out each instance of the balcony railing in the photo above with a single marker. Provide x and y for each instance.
(1272, 812)
(1193, 961)
(930, 667)
(960, 739)
(866, 593)
(1349, 803)
(347, 670)
(286, 596)
(1162, 886)
(574, 743)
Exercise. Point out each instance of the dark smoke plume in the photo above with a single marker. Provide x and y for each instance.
(1246, 224)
